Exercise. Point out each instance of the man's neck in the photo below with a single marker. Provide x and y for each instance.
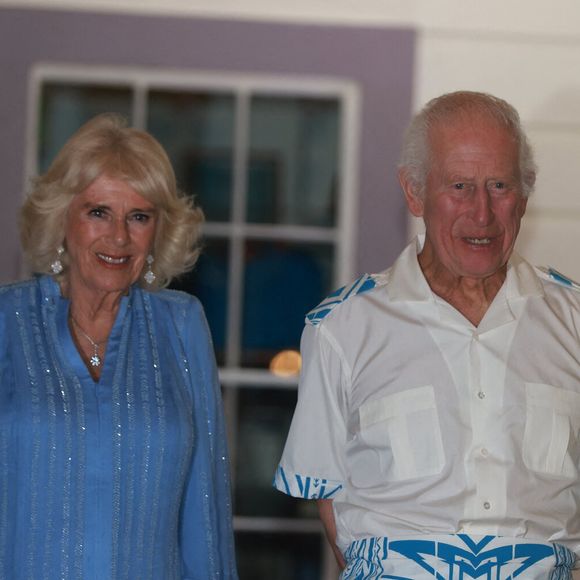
(472, 297)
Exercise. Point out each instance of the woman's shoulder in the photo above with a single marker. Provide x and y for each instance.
(180, 305)
(14, 290)
(174, 299)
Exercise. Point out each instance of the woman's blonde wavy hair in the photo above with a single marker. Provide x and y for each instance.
(107, 146)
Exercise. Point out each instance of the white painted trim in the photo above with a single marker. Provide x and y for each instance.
(259, 378)
(272, 232)
(273, 525)
(215, 81)
(347, 218)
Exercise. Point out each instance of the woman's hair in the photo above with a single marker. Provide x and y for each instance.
(107, 146)
(416, 153)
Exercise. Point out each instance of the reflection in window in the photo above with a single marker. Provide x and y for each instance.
(297, 138)
(209, 282)
(279, 556)
(264, 417)
(197, 129)
(283, 281)
(66, 107)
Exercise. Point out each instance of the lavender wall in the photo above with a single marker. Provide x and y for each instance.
(380, 60)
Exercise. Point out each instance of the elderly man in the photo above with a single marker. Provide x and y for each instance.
(438, 413)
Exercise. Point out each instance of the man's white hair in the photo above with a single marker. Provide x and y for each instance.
(416, 154)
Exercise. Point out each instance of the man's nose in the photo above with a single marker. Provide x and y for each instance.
(482, 207)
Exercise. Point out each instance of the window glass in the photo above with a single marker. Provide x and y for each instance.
(283, 281)
(281, 556)
(293, 163)
(196, 129)
(264, 416)
(65, 107)
(209, 282)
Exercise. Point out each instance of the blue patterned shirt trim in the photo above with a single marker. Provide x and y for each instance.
(305, 487)
(472, 558)
(363, 284)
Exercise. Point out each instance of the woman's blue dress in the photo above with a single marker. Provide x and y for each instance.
(124, 478)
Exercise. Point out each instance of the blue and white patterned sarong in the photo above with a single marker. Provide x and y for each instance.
(457, 557)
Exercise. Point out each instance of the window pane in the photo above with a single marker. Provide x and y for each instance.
(264, 417)
(283, 281)
(279, 556)
(197, 131)
(209, 281)
(65, 107)
(292, 177)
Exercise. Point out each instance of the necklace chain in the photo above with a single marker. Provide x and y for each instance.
(95, 360)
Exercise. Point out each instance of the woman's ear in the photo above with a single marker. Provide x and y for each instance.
(411, 191)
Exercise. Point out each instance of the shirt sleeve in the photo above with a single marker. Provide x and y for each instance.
(312, 464)
(206, 536)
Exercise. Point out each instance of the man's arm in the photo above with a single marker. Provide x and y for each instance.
(575, 574)
(327, 517)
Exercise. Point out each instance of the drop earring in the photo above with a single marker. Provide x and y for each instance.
(57, 266)
(149, 275)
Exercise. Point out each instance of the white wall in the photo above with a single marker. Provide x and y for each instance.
(527, 52)
(538, 73)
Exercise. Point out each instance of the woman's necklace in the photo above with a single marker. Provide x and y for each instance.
(95, 360)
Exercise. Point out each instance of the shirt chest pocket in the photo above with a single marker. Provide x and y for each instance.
(551, 433)
(403, 429)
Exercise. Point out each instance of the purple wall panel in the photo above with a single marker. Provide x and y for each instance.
(380, 60)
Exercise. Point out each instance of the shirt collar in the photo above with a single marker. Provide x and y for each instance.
(522, 280)
(407, 282)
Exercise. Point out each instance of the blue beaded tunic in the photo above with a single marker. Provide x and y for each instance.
(124, 478)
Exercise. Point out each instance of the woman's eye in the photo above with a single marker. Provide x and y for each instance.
(141, 217)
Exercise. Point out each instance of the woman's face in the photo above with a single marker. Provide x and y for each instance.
(109, 231)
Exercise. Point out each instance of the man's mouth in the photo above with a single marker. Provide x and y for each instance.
(479, 241)
(112, 260)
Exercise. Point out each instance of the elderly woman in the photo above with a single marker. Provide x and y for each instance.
(112, 451)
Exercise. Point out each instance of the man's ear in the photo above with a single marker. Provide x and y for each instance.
(411, 191)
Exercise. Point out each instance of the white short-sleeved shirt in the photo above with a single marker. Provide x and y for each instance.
(414, 421)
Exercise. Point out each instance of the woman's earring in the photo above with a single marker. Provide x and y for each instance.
(57, 266)
(149, 275)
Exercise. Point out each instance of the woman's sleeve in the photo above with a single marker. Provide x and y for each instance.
(206, 536)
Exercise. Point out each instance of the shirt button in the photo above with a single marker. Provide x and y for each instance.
(484, 452)
(486, 505)
(481, 395)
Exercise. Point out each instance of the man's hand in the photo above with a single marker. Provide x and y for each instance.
(575, 574)
(327, 517)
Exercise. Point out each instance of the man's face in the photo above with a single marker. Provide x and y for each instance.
(472, 205)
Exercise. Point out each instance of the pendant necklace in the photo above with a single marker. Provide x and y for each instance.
(95, 360)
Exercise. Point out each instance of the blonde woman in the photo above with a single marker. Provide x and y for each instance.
(112, 450)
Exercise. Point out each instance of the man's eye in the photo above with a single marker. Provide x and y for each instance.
(499, 185)
(97, 212)
(459, 186)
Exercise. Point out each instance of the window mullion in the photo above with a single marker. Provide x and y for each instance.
(140, 105)
(347, 171)
(237, 240)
